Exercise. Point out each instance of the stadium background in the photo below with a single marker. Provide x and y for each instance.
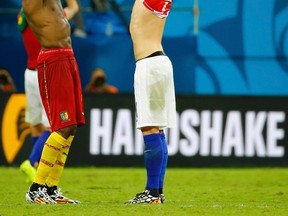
(237, 60)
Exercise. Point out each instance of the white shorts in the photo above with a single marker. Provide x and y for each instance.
(154, 93)
(35, 113)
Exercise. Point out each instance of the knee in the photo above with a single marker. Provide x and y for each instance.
(67, 131)
(149, 130)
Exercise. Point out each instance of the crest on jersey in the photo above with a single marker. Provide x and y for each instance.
(64, 116)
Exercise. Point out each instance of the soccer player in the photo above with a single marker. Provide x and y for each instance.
(154, 93)
(61, 94)
(35, 114)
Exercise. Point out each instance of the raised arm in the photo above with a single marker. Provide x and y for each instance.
(31, 6)
(71, 9)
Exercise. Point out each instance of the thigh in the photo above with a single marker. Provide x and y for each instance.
(33, 101)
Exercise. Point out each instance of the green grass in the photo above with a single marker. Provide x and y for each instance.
(102, 191)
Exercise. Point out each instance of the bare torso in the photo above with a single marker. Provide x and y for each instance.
(47, 20)
(146, 31)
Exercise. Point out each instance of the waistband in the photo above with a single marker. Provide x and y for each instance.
(157, 53)
(56, 50)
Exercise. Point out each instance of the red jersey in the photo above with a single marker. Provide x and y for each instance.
(160, 8)
(32, 46)
(31, 43)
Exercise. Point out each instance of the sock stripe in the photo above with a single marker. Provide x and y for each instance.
(65, 147)
(46, 162)
(59, 163)
(53, 147)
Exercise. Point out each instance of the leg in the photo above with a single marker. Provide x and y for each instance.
(29, 166)
(153, 157)
(52, 154)
(164, 166)
(35, 155)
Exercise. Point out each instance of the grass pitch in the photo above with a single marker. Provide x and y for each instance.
(195, 191)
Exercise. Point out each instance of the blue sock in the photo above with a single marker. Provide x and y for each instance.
(38, 147)
(164, 162)
(34, 140)
(153, 157)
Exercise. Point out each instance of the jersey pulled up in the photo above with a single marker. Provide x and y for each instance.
(31, 43)
(160, 8)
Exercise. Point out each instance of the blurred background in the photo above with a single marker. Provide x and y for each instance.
(235, 47)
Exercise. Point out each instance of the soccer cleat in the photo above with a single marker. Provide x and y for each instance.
(162, 198)
(58, 197)
(28, 170)
(40, 196)
(144, 197)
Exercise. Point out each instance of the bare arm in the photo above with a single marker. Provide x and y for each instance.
(71, 9)
(31, 6)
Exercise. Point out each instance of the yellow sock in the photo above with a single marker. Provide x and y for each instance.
(52, 149)
(56, 172)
